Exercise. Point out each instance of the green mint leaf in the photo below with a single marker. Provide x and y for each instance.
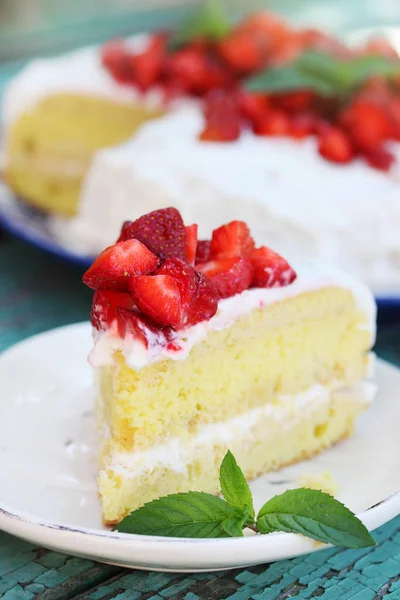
(314, 514)
(186, 515)
(234, 526)
(234, 486)
(209, 22)
(323, 74)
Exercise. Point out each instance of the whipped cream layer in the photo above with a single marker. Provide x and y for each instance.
(137, 355)
(79, 72)
(177, 453)
(292, 199)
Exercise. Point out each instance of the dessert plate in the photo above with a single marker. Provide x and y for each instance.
(48, 467)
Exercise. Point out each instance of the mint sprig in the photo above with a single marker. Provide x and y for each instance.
(312, 513)
(324, 74)
(210, 23)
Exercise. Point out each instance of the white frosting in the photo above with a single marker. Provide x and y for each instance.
(78, 72)
(310, 278)
(177, 453)
(293, 200)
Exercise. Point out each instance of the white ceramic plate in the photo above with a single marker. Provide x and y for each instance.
(48, 466)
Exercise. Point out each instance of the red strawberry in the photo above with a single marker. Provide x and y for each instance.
(191, 243)
(147, 66)
(368, 124)
(294, 101)
(222, 118)
(203, 251)
(133, 323)
(162, 231)
(115, 59)
(334, 145)
(272, 122)
(124, 234)
(184, 275)
(302, 125)
(195, 71)
(104, 307)
(158, 297)
(229, 276)
(116, 264)
(231, 241)
(380, 158)
(270, 269)
(205, 302)
(242, 52)
(253, 106)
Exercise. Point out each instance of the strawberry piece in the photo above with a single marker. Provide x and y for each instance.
(314, 39)
(294, 101)
(380, 158)
(222, 118)
(191, 243)
(231, 241)
(115, 59)
(116, 264)
(124, 234)
(242, 52)
(185, 276)
(162, 231)
(253, 106)
(158, 297)
(303, 124)
(368, 124)
(105, 305)
(334, 145)
(272, 123)
(132, 323)
(270, 269)
(204, 304)
(148, 65)
(195, 71)
(203, 251)
(229, 276)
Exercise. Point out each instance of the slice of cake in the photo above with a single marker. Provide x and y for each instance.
(201, 346)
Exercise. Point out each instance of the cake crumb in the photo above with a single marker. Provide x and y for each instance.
(323, 481)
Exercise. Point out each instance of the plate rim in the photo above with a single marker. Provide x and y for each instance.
(167, 553)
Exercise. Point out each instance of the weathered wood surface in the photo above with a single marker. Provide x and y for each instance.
(37, 293)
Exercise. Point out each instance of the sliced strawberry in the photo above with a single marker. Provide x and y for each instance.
(334, 145)
(368, 124)
(115, 59)
(231, 241)
(229, 276)
(204, 304)
(380, 158)
(191, 243)
(222, 118)
(132, 323)
(272, 123)
(195, 71)
(242, 52)
(148, 65)
(184, 275)
(158, 297)
(294, 101)
(270, 269)
(116, 264)
(203, 251)
(162, 231)
(253, 106)
(124, 234)
(104, 307)
(303, 124)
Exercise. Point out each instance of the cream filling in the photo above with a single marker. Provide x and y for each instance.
(137, 355)
(177, 453)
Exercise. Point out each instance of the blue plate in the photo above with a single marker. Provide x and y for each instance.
(33, 226)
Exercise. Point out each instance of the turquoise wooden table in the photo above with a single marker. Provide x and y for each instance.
(38, 292)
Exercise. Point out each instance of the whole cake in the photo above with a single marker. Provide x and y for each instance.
(206, 345)
(288, 128)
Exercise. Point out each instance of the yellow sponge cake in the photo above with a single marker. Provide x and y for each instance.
(201, 346)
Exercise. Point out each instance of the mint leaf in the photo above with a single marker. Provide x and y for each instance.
(234, 486)
(314, 514)
(323, 74)
(209, 22)
(186, 515)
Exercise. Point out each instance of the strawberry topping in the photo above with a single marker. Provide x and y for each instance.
(162, 231)
(270, 269)
(116, 264)
(229, 276)
(222, 118)
(191, 243)
(146, 300)
(231, 240)
(335, 145)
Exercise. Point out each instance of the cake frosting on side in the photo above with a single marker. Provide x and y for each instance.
(272, 363)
